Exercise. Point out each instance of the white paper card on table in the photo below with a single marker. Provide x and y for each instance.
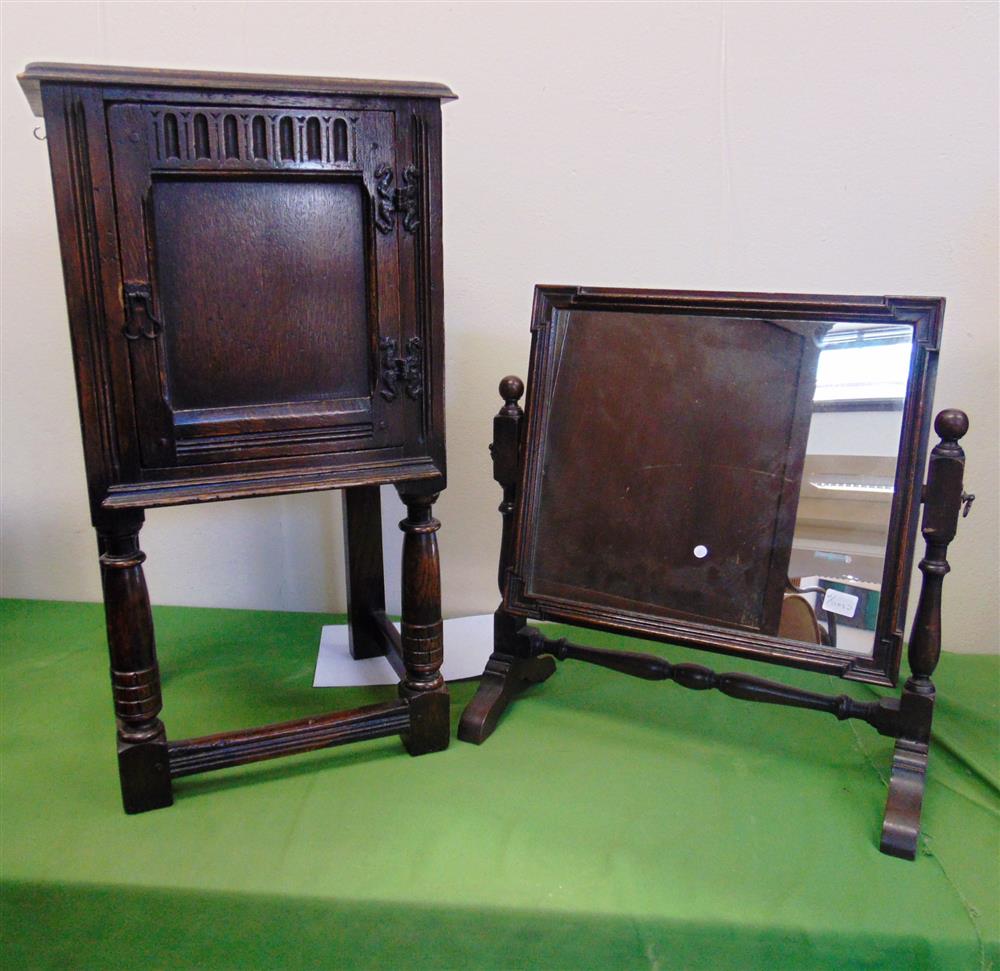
(838, 602)
(468, 644)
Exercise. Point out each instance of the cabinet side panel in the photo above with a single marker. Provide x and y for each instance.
(427, 149)
(74, 124)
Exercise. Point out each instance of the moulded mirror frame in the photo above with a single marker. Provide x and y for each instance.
(553, 306)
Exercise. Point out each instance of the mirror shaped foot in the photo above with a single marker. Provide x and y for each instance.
(505, 676)
(906, 795)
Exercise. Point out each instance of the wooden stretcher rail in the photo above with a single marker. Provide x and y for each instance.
(391, 642)
(210, 752)
(882, 715)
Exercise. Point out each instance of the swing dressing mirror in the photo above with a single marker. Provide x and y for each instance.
(736, 472)
(671, 481)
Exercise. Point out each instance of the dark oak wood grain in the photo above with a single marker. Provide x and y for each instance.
(299, 248)
(715, 463)
(253, 274)
(881, 714)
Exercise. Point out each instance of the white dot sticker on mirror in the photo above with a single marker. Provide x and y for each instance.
(700, 551)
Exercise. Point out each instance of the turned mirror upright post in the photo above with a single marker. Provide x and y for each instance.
(734, 472)
(253, 270)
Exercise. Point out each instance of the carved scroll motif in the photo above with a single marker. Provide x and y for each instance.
(385, 221)
(395, 369)
(408, 198)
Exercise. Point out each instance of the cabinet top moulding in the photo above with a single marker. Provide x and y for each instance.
(36, 74)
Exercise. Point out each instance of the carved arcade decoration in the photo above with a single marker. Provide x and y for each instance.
(189, 136)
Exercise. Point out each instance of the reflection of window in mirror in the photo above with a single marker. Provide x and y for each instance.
(863, 366)
(841, 528)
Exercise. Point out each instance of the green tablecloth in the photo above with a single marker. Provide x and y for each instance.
(609, 823)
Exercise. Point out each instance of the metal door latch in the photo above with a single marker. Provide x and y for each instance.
(137, 294)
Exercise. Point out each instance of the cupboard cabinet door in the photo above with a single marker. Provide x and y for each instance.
(261, 281)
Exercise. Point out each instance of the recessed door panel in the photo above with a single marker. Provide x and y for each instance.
(262, 291)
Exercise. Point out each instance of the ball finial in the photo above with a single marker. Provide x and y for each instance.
(951, 424)
(511, 389)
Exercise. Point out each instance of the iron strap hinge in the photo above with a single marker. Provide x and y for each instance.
(404, 199)
(396, 370)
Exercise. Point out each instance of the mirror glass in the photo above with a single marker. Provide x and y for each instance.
(848, 481)
(723, 469)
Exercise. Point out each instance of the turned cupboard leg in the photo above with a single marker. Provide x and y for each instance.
(143, 764)
(365, 576)
(421, 629)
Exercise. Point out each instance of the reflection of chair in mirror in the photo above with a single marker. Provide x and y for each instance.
(800, 621)
(523, 655)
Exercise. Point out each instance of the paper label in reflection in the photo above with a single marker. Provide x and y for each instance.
(838, 602)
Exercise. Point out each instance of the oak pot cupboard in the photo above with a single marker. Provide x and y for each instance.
(253, 270)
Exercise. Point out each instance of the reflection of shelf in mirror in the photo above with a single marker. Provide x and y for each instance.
(865, 483)
(843, 549)
(863, 561)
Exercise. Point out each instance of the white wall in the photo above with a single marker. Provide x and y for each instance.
(843, 148)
